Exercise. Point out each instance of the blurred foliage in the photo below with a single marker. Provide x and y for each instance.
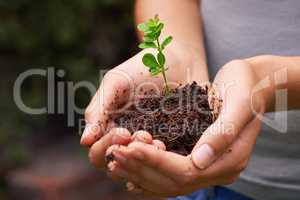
(78, 36)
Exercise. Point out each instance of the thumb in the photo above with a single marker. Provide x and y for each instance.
(113, 92)
(220, 135)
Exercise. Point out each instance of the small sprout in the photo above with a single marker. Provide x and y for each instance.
(156, 63)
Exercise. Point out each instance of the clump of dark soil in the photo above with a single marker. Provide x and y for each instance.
(178, 119)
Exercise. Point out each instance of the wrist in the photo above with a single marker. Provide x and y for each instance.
(263, 68)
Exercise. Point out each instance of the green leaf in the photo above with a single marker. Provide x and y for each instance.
(166, 42)
(152, 30)
(143, 27)
(159, 27)
(155, 71)
(152, 24)
(157, 34)
(150, 61)
(149, 38)
(161, 59)
(146, 45)
(152, 36)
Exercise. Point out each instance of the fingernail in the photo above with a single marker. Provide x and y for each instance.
(119, 157)
(203, 157)
(140, 138)
(111, 166)
(130, 186)
(119, 137)
(133, 188)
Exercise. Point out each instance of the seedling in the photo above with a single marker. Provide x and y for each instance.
(156, 63)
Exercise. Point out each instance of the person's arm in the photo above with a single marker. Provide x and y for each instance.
(183, 21)
(282, 73)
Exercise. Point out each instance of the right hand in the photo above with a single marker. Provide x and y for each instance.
(124, 82)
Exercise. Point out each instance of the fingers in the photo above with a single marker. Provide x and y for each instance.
(139, 136)
(97, 154)
(224, 131)
(142, 175)
(159, 144)
(143, 166)
(240, 103)
(145, 137)
(236, 161)
(113, 91)
(91, 133)
(142, 136)
(170, 164)
(236, 157)
(159, 179)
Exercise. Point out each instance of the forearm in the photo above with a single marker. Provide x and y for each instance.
(182, 21)
(281, 73)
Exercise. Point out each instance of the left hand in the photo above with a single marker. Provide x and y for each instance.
(219, 156)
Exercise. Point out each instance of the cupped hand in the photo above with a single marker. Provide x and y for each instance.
(219, 156)
(125, 82)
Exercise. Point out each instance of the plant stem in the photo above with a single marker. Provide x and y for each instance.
(163, 68)
(166, 82)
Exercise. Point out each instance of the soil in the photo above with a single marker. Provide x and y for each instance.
(178, 118)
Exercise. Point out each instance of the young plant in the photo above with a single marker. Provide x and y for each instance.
(156, 63)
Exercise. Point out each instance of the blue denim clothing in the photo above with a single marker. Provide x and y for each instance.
(216, 193)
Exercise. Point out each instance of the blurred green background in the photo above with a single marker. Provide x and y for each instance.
(78, 36)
